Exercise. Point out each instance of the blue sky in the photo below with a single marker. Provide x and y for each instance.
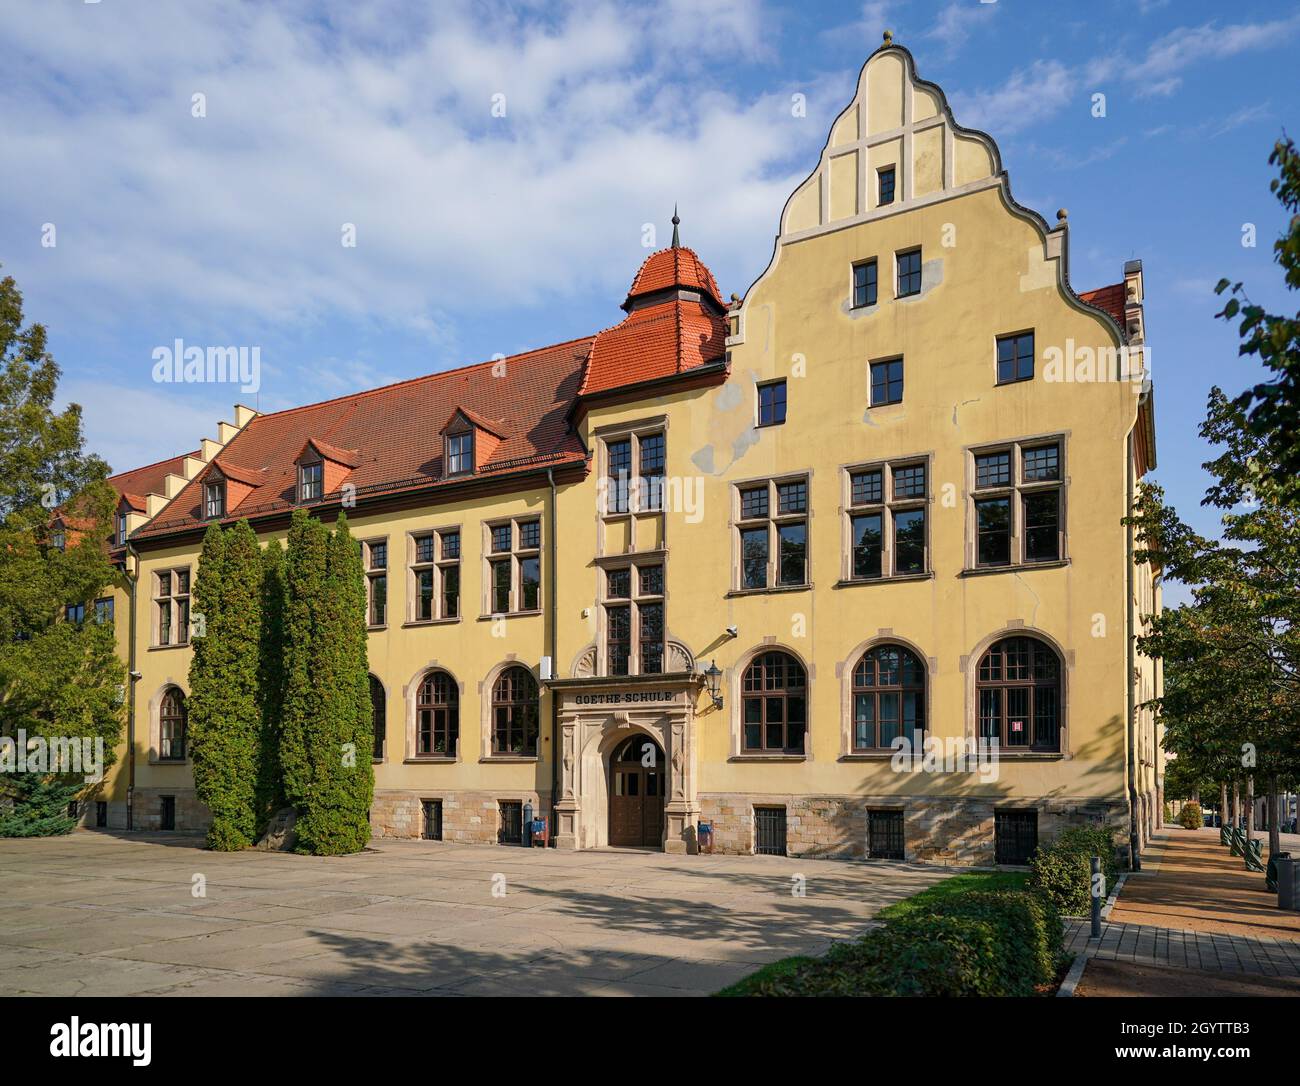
(478, 234)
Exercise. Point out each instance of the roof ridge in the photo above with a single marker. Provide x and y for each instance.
(422, 377)
(145, 467)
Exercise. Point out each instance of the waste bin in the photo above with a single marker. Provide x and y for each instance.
(704, 835)
(1288, 883)
(1270, 873)
(537, 832)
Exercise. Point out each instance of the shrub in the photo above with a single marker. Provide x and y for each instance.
(1191, 816)
(1062, 872)
(979, 943)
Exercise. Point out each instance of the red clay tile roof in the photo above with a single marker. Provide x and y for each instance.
(251, 476)
(655, 341)
(348, 457)
(675, 267)
(495, 427)
(396, 432)
(135, 484)
(1110, 298)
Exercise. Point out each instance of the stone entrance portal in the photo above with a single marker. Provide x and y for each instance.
(598, 717)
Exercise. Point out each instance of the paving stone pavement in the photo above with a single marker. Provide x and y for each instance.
(99, 913)
(1210, 951)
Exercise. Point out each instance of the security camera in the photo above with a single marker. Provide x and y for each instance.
(136, 676)
(733, 631)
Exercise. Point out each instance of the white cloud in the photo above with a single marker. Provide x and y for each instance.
(1029, 96)
(957, 22)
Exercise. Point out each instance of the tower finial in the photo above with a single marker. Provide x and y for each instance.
(677, 241)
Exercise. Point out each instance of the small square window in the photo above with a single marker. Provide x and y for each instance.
(530, 535)
(1042, 464)
(864, 284)
(1016, 358)
(618, 584)
(424, 548)
(652, 580)
(886, 185)
(867, 487)
(771, 404)
(378, 555)
(792, 497)
(753, 503)
(451, 544)
(500, 538)
(909, 482)
(886, 382)
(992, 469)
(909, 273)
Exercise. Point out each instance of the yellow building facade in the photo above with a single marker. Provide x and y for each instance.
(690, 582)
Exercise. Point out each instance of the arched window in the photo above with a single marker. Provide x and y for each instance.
(774, 698)
(172, 720)
(378, 716)
(437, 716)
(514, 712)
(888, 697)
(1019, 689)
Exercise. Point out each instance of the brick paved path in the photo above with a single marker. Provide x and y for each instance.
(1194, 906)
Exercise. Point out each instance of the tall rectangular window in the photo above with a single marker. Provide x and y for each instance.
(886, 520)
(435, 576)
(214, 500)
(172, 606)
(864, 284)
(771, 403)
(104, 610)
(460, 453)
(635, 470)
(121, 530)
(1017, 504)
(886, 185)
(887, 382)
(310, 481)
(1015, 358)
(772, 533)
(909, 273)
(633, 600)
(375, 553)
(513, 566)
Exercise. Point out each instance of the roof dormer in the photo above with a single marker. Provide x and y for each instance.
(225, 486)
(468, 442)
(322, 468)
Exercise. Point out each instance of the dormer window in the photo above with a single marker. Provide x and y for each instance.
(309, 482)
(214, 500)
(121, 529)
(460, 453)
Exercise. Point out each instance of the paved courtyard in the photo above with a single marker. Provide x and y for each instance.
(105, 914)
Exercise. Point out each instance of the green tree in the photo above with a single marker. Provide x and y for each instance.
(1273, 407)
(305, 596)
(57, 679)
(270, 784)
(225, 710)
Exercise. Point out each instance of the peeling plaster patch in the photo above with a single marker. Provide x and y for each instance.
(958, 406)
(728, 397)
(853, 314)
(703, 459)
(866, 417)
(931, 277)
(744, 443)
(1042, 272)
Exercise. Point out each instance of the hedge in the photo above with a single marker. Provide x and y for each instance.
(1191, 817)
(1062, 872)
(980, 943)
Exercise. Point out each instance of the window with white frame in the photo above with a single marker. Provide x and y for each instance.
(885, 514)
(214, 499)
(1018, 503)
(771, 533)
(460, 453)
(172, 606)
(311, 479)
(513, 566)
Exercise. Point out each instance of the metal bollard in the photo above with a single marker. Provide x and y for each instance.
(526, 836)
(1098, 896)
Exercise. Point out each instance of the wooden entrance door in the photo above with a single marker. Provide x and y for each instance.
(636, 794)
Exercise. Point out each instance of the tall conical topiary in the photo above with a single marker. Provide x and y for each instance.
(304, 692)
(333, 820)
(225, 722)
(270, 786)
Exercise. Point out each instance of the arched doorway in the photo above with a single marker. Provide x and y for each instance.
(637, 772)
